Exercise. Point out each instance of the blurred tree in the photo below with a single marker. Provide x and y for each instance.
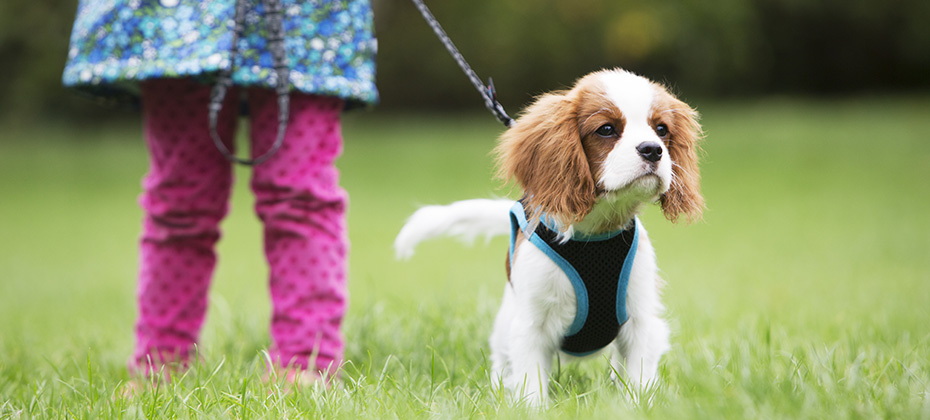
(33, 47)
(721, 48)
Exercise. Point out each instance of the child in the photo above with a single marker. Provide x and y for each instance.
(169, 53)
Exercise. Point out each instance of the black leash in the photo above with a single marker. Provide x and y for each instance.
(487, 92)
(272, 20)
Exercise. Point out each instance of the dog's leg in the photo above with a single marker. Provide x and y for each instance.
(643, 339)
(543, 305)
(640, 345)
(531, 353)
(500, 338)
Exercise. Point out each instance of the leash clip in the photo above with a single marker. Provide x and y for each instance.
(495, 106)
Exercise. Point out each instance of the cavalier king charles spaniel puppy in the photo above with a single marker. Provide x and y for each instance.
(582, 273)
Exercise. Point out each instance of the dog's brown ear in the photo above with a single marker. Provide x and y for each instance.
(684, 194)
(543, 152)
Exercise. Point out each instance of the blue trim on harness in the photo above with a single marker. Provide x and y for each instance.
(622, 316)
(519, 223)
(581, 292)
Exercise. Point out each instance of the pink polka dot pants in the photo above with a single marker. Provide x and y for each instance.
(298, 199)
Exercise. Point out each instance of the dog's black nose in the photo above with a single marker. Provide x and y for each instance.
(651, 151)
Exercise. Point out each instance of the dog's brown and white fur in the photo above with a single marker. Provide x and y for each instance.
(589, 158)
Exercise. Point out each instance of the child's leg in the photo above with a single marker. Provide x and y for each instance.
(303, 209)
(185, 195)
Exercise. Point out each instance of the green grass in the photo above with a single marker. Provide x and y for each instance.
(805, 292)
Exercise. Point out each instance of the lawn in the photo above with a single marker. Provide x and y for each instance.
(804, 292)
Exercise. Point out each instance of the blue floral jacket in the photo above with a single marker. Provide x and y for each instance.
(116, 43)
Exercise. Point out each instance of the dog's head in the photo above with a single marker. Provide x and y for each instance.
(614, 136)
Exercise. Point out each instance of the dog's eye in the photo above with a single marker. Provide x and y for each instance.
(606, 130)
(662, 130)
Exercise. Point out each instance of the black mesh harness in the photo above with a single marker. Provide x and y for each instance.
(599, 270)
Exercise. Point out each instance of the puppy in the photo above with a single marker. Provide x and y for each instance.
(582, 273)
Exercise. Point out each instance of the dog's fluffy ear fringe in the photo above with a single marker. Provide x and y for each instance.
(543, 153)
(684, 195)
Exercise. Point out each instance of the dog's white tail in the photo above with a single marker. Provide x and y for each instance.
(466, 220)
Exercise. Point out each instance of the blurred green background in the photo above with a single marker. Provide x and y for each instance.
(720, 49)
